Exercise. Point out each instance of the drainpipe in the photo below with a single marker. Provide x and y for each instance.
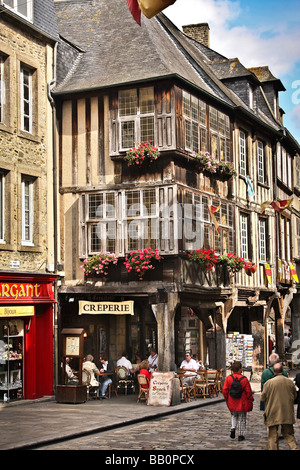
(55, 238)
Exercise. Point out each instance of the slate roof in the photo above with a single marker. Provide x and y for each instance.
(104, 47)
(118, 51)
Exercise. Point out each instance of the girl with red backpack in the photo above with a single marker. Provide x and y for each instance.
(239, 399)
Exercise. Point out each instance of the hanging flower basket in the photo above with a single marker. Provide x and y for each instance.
(207, 259)
(141, 261)
(233, 262)
(99, 263)
(145, 152)
(250, 268)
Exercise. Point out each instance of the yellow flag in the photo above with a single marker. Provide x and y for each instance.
(268, 273)
(293, 273)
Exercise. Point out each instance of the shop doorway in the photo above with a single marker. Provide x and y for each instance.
(11, 359)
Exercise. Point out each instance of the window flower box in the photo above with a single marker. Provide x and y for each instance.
(141, 261)
(144, 152)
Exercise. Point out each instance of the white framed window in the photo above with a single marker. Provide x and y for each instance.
(102, 222)
(262, 229)
(136, 116)
(242, 152)
(260, 162)
(2, 207)
(27, 184)
(194, 113)
(26, 99)
(21, 7)
(244, 222)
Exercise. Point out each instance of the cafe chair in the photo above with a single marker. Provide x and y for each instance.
(185, 390)
(124, 382)
(212, 382)
(220, 380)
(200, 385)
(112, 389)
(143, 387)
(92, 392)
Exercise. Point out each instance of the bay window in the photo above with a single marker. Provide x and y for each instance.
(136, 116)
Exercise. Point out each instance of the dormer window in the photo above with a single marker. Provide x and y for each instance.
(21, 7)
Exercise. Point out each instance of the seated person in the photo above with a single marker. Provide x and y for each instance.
(89, 365)
(123, 361)
(71, 377)
(105, 380)
(190, 367)
(153, 360)
(144, 369)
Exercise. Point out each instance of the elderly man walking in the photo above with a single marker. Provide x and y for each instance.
(279, 394)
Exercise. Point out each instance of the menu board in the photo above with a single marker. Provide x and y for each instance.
(161, 388)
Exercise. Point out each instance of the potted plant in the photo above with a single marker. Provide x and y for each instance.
(144, 152)
(232, 261)
(141, 261)
(206, 258)
(99, 263)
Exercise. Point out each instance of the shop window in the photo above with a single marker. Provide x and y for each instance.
(11, 359)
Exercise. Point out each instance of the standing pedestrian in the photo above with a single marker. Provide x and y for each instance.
(279, 395)
(239, 399)
(269, 374)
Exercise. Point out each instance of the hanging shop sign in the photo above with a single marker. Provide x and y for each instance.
(24, 311)
(118, 308)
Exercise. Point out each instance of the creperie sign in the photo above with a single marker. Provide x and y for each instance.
(23, 292)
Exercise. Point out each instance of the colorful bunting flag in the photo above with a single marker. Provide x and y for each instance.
(293, 273)
(268, 273)
(277, 205)
(135, 10)
(212, 210)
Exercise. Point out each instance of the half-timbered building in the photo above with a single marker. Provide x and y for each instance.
(118, 85)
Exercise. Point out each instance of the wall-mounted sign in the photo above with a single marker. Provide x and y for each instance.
(11, 311)
(12, 292)
(118, 308)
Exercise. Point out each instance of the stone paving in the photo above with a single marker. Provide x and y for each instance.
(205, 428)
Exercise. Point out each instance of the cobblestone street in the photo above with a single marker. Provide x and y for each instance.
(205, 428)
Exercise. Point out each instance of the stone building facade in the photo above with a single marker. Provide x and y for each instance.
(27, 233)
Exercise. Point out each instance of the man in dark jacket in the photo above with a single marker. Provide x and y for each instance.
(105, 380)
(269, 374)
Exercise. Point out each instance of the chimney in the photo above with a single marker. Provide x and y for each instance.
(199, 32)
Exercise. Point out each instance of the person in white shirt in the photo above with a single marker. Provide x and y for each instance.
(123, 361)
(153, 360)
(190, 367)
